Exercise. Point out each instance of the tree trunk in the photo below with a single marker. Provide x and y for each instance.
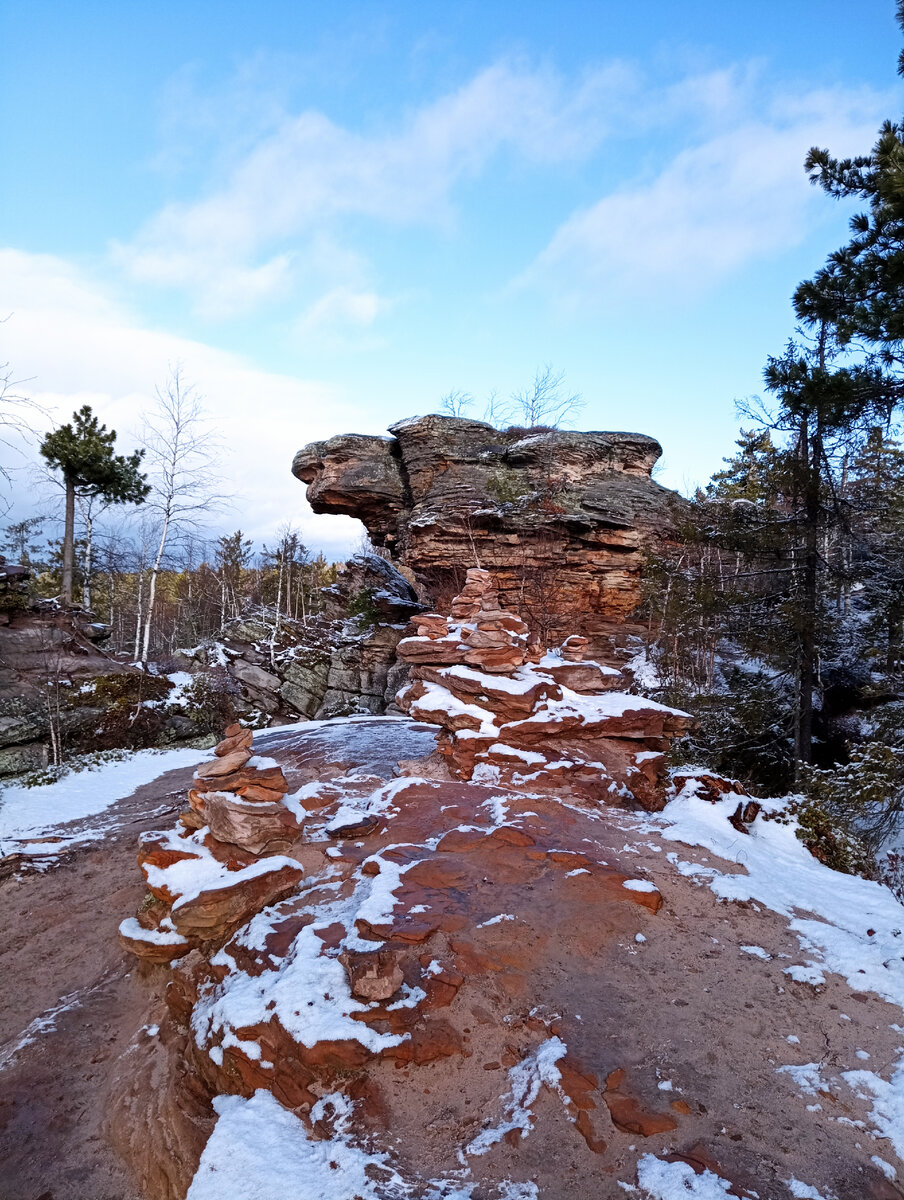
(139, 613)
(69, 542)
(86, 569)
(812, 456)
(152, 589)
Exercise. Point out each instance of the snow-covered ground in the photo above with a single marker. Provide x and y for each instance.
(38, 811)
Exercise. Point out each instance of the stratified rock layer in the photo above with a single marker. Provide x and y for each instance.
(208, 876)
(511, 714)
(561, 519)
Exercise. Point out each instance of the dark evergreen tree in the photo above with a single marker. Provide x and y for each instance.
(83, 452)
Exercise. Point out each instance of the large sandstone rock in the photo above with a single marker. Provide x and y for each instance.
(561, 519)
(512, 716)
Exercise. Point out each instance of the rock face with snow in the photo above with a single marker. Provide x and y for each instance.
(512, 714)
(224, 864)
(333, 663)
(561, 519)
(470, 991)
(359, 954)
(41, 642)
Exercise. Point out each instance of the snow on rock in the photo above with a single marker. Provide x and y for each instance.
(779, 872)
(678, 1181)
(259, 1151)
(308, 994)
(525, 1080)
(37, 811)
(503, 704)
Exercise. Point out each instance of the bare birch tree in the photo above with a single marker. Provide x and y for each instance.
(546, 402)
(181, 457)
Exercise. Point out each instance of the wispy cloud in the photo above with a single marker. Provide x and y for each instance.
(734, 196)
(77, 345)
(247, 240)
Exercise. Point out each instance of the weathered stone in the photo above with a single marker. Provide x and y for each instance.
(552, 514)
(254, 676)
(258, 827)
(223, 766)
(216, 910)
(375, 976)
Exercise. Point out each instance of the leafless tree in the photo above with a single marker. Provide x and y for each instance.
(456, 403)
(546, 401)
(181, 459)
(15, 409)
(496, 411)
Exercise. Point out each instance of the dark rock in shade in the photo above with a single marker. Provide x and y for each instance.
(562, 520)
(335, 663)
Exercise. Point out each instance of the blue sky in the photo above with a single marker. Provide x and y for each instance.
(333, 214)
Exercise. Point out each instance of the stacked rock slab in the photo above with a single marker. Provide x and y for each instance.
(563, 519)
(512, 714)
(229, 849)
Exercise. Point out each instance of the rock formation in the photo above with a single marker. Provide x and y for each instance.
(334, 663)
(511, 713)
(331, 941)
(43, 644)
(562, 520)
(223, 865)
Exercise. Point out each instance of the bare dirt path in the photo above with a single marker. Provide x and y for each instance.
(70, 1002)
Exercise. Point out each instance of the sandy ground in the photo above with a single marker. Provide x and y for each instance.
(686, 1007)
(70, 1002)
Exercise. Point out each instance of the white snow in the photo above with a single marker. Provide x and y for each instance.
(639, 885)
(829, 912)
(757, 952)
(259, 1150)
(516, 685)
(525, 1080)
(677, 1181)
(33, 812)
(888, 1102)
(885, 1167)
(308, 994)
(803, 1191)
(158, 937)
(189, 877)
(437, 699)
(496, 920)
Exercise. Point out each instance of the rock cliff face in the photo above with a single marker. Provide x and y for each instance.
(560, 519)
(336, 663)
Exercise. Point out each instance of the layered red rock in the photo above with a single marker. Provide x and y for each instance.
(562, 520)
(207, 877)
(554, 722)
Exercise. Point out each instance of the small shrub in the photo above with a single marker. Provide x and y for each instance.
(361, 604)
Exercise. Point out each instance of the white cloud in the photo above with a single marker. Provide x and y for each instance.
(78, 346)
(344, 305)
(229, 248)
(735, 196)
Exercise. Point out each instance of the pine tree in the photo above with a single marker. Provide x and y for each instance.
(875, 493)
(752, 473)
(83, 452)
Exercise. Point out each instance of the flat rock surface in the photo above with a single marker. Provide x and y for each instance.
(665, 1013)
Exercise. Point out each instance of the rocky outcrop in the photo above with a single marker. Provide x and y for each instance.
(337, 662)
(513, 714)
(366, 951)
(50, 658)
(224, 863)
(562, 520)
